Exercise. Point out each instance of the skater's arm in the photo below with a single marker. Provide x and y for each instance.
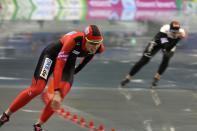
(83, 62)
(61, 61)
(87, 59)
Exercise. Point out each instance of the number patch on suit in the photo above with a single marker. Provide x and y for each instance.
(46, 68)
(164, 40)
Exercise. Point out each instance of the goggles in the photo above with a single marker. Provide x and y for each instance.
(92, 42)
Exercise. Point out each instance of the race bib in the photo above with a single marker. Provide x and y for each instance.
(46, 68)
(164, 40)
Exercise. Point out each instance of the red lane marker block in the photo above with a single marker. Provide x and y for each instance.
(113, 129)
(91, 125)
(58, 112)
(75, 118)
(62, 110)
(82, 122)
(101, 128)
(67, 115)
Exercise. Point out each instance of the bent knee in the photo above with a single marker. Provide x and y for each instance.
(144, 60)
(38, 87)
(35, 90)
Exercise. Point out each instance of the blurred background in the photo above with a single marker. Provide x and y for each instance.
(27, 26)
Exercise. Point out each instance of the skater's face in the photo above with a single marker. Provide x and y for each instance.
(174, 29)
(92, 46)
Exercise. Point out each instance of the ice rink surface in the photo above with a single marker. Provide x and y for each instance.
(96, 97)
